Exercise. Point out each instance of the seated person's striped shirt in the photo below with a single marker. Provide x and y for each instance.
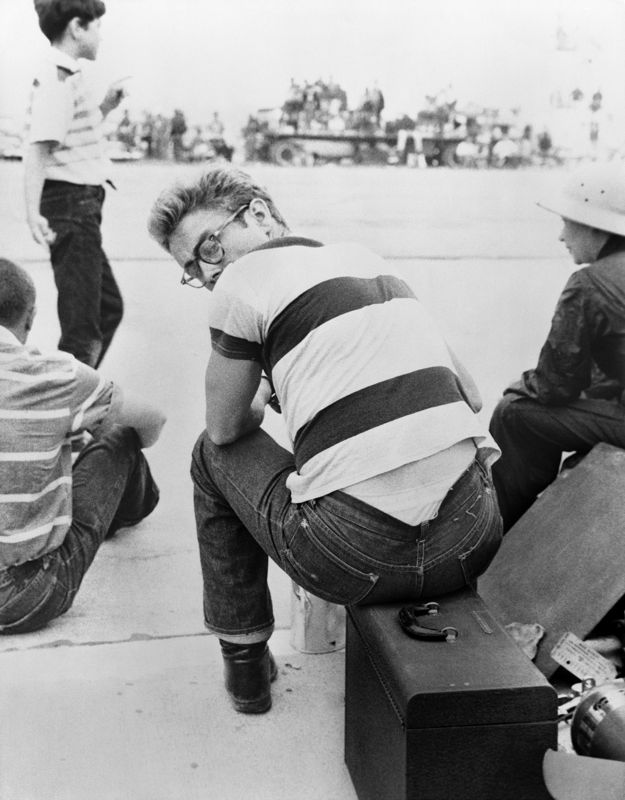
(44, 400)
(365, 381)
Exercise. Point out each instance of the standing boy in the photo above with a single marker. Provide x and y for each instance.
(65, 172)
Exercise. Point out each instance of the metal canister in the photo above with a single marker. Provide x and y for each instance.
(598, 725)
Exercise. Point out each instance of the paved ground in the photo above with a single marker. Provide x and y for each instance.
(121, 698)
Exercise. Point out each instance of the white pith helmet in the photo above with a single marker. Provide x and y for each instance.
(595, 196)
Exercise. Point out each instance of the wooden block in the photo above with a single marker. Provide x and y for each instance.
(563, 563)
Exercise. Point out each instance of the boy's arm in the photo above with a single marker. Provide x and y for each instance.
(34, 177)
(113, 97)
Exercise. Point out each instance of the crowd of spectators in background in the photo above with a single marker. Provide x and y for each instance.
(318, 107)
(476, 137)
(503, 146)
(322, 106)
(473, 137)
(157, 136)
(480, 137)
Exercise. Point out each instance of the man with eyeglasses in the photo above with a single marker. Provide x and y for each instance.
(387, 493)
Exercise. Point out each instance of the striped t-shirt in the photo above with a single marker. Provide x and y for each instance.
(62, 110)
(44, 399)
(365, 381)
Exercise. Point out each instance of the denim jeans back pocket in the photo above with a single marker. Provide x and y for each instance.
(316, 568)
(371, 539)
(485, 541)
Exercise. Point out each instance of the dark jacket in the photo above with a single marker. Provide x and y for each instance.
(584, 354)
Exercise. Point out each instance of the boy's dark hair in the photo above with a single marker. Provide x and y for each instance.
(17, 293)
(54, 15)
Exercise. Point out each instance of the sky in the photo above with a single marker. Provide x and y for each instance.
(236, 56)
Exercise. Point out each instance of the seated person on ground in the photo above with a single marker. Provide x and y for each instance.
(573, 399)
(54, 517)
(387, 493)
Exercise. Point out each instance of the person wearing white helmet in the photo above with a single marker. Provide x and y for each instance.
(574, 397)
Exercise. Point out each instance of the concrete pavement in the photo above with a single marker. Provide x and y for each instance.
(148, 720)
(122, 699)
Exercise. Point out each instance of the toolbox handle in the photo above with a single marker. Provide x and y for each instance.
(409, 621)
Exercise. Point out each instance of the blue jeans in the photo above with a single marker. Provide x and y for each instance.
(336, 547)
(89, 303)
(533, 438)
(112, 487)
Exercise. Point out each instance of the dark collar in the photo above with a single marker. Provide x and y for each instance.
(615, 244)
(289, 241)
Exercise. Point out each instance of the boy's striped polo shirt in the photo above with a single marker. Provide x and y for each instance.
(62, 110)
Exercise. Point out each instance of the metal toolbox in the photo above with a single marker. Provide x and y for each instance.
(468, 719)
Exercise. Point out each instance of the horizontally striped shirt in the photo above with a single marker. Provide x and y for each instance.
(43, 400)
(365, 381)
(62, 110)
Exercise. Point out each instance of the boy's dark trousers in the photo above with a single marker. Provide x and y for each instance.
(533, 438)
(90, 305)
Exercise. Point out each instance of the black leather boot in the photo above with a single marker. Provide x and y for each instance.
(249, 670)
